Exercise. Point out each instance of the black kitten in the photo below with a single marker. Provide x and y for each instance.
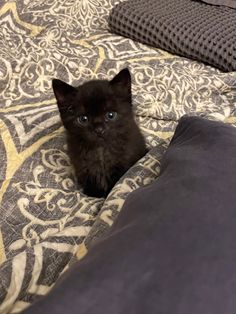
(103, 138)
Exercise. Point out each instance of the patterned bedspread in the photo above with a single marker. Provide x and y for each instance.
(45, 222)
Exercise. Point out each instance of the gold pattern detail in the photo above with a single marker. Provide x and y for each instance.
(20, 306)
(101, 58)
(230, 120)
(11, 6)
(38, 265)
(84, 42)
(15, 159)
(23, 106)
(163, 135)
(81, 251)
(105, 216)
(164, 56)
(2, 251)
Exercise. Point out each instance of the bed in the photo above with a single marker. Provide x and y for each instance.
(46, 223)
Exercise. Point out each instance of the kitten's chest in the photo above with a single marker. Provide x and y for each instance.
(98, 163)
(102, 159)
(94, 161)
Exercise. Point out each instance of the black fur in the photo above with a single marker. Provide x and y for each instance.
(103, 147)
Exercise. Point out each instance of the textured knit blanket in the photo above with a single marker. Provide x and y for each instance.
(189, 28)
(45, 222)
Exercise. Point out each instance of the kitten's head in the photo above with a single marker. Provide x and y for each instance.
(98, 110)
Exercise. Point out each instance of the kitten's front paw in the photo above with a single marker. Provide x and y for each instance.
(94, 192)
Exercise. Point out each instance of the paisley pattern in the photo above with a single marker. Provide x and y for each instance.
(45, 222)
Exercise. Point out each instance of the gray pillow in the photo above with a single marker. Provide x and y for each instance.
(188, 28)
(227, 3)
(172, 249)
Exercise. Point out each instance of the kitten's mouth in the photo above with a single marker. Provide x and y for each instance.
(101, 137)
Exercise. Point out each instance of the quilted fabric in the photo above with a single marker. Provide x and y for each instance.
(45, 222)
(188, 28)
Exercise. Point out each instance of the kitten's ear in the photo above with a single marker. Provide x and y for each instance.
(61, 90)
(122, 80)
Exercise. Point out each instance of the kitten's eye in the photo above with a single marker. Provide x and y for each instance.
(70, 109)
(111, 115)
(83, 120)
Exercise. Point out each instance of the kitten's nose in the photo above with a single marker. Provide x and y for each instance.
(99, 130)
